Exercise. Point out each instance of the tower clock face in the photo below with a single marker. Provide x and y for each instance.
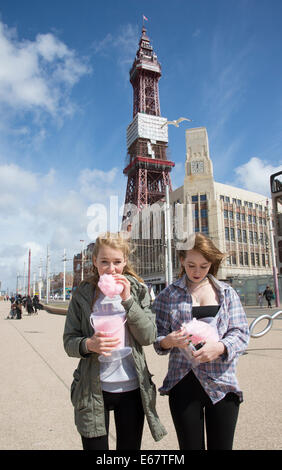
(197, 167)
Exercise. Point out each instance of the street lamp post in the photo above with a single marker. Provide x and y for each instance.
(47, 275)
(168, 238)
(82, 260)
(64, 283)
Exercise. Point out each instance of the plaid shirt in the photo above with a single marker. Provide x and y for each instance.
(173, 306)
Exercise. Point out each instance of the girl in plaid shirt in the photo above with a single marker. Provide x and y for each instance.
(207, 393)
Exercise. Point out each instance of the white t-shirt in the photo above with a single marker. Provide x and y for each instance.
(119, 375)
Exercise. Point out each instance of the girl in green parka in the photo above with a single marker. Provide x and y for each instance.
(98, 387)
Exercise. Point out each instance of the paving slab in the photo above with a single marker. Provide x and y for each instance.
(36, 412)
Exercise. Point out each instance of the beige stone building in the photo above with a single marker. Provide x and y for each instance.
(234, 218)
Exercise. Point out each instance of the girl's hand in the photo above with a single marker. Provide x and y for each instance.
(175, 339)
(121, 279)
(102, 344)
(210, 351)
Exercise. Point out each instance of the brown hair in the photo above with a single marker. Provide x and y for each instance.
(206, 247)
(117, 241)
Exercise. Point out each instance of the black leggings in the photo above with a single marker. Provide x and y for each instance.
(187, 401)
(129, 421)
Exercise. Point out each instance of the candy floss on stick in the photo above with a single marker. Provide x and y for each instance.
(109, 286)
(199, 332)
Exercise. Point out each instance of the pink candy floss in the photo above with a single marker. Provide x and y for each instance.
(109, 286)
(200, 331)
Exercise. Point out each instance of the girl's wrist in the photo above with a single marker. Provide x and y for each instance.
(222, 348)
(128, 302)
(165, 343)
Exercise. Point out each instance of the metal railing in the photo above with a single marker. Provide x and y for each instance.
(270, 319)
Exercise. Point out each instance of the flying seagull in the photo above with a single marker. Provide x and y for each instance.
(176, 121)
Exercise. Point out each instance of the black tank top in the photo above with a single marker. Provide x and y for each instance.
(205, 311)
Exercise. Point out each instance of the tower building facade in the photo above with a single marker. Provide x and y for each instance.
(147, 167)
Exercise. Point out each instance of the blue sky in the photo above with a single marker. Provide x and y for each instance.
(66, 101)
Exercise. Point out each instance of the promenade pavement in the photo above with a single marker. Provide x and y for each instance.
(36, 412)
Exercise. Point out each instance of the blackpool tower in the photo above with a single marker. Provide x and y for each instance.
(147, 167)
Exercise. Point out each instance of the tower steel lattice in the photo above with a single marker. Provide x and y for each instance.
(147, 166)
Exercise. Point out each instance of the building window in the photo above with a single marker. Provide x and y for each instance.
(239, 202)
(263, 259)
(253, 259)
(244, 232)
(256, 237)
(241, 258)
(227, 199)
(232, 234)
(233, 258)
(251, 236)
(226, 214)
(238, 216)
(227, 236)
(230, 214)
(257, 259)
(254, 219)
(205, 230)
(246, 258)
(203, 197)
(221, 197)
(204, 213)
(239, 235)
(195, 198)
(243, 218)
(249, 218)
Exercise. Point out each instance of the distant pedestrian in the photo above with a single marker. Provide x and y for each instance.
(18, 308)
(29, 305)
(12, 313)
(35, 303)
(260, 299)
(268, 294)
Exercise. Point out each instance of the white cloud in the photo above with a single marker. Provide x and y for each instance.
(98, 185)
(34, 74)
(14, 179)
(123, 43)
(254, 175)
(36, 211)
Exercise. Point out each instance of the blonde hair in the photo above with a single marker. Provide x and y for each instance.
(117, 241)
(208, 250)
